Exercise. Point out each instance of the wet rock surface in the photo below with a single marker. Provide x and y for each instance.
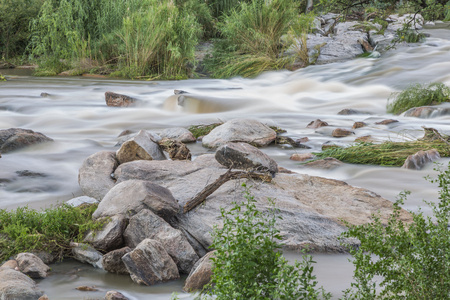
(17, 138)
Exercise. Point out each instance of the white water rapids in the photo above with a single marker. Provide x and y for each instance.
(76, 117)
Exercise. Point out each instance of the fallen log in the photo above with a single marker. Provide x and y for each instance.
(211, 188)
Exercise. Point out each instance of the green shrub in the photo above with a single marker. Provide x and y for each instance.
(252, 38)
(248, 263)
(418, 95)
(50, 230)
(15, 16)
(413, 259)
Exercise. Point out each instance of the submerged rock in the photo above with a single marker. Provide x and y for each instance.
(119, 100)
(425, 112)
(340, 132)
(179, 134)
(420, 159)
(16, 138)
(327, 163)
(316, 124)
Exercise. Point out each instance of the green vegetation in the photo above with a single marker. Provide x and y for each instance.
(252, 38)
(385, 154)
(15, 16)
(50, 230)
(248, 263)
(143, 39)
(389, 153)
(418, 95)
(412, 259)
(2, 78)
(202, 130)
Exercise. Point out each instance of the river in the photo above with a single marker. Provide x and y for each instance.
(76, 117)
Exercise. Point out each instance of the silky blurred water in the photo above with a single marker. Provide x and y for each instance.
(76, 117)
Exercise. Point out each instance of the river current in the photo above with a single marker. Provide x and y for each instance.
(75, 115)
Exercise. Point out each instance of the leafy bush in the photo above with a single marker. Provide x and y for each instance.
(412, 259)
(252, 38)
(15, 16)
(50, 230)
(418, 95)
(248, 263)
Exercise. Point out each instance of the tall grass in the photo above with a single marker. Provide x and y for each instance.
(143, 38)
(252, 38)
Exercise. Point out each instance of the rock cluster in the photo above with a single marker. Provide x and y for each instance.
(147, 235)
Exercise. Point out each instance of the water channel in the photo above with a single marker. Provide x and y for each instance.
(76, 117)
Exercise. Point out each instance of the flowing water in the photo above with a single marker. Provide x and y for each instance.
(76, 117)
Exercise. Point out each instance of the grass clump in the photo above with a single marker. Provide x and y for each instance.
(202, 130)
(251, 38)
(50, 230)
(389, 153)
(412, 259)
(418, 95)
(248, 263)
(2, 78)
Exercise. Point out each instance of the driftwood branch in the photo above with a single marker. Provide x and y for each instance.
(211, 188)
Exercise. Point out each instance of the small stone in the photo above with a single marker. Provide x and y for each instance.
(302, 140)
(302, 157)
(114, 295)
(365, 139)
(11, 264)
(357, 125)
(176, 149)
(112, 261)
(44, 297)
(317, 124)
(339, 132)
(386, 122)
(350, 111)
(85, 288)
(118, 100)
(179, 92)
(327, 163)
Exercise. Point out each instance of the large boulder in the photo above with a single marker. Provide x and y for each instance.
(146, 224)
(312, 208)
(16, 285)
(109, 237)
(130, 197)
(94, 176)
(149, 263)
(245, 156)
(240, 130)
(32, 265)
(112, 261)
(17, 138)
(143, 146)
(200, 275)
